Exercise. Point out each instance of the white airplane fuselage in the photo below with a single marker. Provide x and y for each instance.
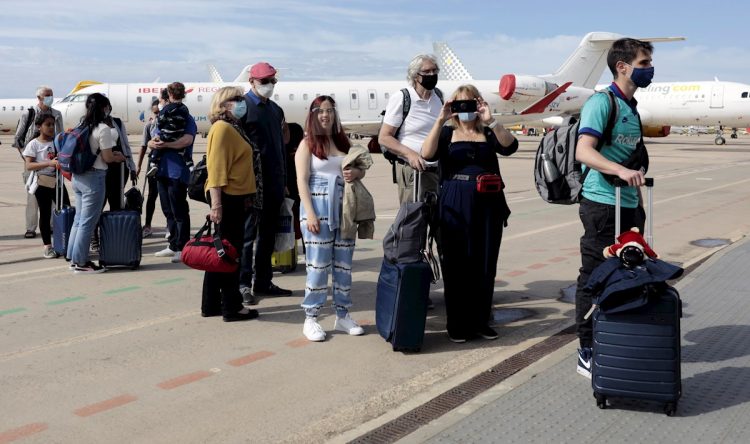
(359, 103)
(10, 112)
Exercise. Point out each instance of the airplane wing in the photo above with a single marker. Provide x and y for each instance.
(542, 104)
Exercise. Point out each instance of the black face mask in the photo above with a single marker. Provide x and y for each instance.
(429, 82)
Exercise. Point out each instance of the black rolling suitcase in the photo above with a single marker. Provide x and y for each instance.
(404, 282)
(636, 350)
(62, 218)
(120, 236)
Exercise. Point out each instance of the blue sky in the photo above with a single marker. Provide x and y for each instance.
(59, 42)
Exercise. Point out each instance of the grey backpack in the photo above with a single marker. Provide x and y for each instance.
(557, 173)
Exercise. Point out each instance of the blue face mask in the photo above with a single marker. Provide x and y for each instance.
(642, 77)
(467, 117)
(240, 109)
(48, 100)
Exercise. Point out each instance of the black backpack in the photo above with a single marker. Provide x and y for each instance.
(405, 107)
(197, 183)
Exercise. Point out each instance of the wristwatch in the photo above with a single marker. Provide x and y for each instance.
(493, 124)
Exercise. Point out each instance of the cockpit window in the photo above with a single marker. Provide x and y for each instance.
(80, 98)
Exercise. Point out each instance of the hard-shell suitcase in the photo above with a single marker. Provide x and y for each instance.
(636, 353)
(120, 237)
(62, 219)
(402, 296)
(401, 304)
(285, 261)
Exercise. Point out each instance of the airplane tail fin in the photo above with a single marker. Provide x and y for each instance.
(244, 74)
(450, 64)
(213, 74)
(585, 66)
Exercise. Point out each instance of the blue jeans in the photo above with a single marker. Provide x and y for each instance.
(326, 253)
(89, 190)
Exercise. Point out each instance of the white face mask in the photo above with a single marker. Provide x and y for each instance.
(161, 106)
(265, 90)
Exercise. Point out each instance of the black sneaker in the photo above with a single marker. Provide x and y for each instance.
(584, 362)
(243, 315)
(487, 333)
(458, 339)
(271, 290)
(88, 268)
(248, 297)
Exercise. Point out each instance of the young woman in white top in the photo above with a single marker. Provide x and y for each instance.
(321, 184)
(89, 186)
(40, 156)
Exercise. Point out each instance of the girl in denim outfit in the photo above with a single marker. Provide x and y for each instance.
(321, 189)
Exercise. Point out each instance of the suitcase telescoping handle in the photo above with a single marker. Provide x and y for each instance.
(59, 186)
(417, 182)
(649, 235)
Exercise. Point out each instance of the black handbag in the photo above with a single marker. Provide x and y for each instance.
(197, 183)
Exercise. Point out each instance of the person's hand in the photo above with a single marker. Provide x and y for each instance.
(118, 156)
(54, 163)
(352, 174)
(484, 112)
(134, 177)
(634, 178)
(216, 214)
(313, 224)
(445, 112)
(416, 161)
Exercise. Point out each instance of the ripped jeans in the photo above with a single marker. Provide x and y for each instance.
(326, 253)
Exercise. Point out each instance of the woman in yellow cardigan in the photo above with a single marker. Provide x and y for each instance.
(231, 188)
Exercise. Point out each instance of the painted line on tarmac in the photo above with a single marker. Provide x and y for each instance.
(66, 300)
(4, 277)
(168, 281)
(253, 357)
(12, 310)
(298, 343)
(183, 380)
(103, 406)
(98, 335)
(122, 290)
(22, 432)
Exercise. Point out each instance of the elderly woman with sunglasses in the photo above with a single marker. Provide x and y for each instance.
(231, 188)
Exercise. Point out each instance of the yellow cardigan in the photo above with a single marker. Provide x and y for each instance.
(229, 160)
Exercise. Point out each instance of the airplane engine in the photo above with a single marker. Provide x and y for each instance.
(524, 88)
(656, 131)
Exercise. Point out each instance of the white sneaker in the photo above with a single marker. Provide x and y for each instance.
(313, 331)
(165, 253)
(177, 258)
(347, 325)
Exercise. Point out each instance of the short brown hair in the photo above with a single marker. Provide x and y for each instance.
(176, 90)
(626, 50)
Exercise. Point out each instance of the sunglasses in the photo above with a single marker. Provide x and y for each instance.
(272, 80)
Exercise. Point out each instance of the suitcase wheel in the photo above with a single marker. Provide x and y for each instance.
(670, 408)
(601, 401)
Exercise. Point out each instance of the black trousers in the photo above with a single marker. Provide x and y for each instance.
(174, 204)
(469, 254)
(153, 194)
(598, 233)
(221, 291)
(114, 184)
(260, 237)
(45, 197)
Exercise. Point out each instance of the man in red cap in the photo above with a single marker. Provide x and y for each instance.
(266, 127)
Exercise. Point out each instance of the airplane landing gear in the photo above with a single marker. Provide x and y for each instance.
(734, 133)
(720, 140)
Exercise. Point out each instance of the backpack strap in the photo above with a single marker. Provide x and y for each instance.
(606, 138)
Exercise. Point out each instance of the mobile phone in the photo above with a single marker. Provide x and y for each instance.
(464, 106)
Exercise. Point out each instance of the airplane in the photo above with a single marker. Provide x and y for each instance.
(516, 98)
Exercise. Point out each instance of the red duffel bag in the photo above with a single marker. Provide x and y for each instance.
(210, 253)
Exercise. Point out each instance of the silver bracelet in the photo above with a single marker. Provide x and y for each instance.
(493, 124)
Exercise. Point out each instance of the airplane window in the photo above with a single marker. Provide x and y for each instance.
(354, 96)
(304, 96)
(333, 96)
(200, 97)
(12, 108)
(372, 96)
(387, 95)
(21, 108)
(153, 98)
(138, 99)
(276, 97)
(744, 95)
(291, 96)
(80, 97)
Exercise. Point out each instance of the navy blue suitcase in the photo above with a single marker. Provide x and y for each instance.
(636, 353)
(401, 304)
(120, 237)
(62, 220)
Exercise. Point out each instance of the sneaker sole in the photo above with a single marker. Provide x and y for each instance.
(89, 271)
(349, 331)
(583, 372)
(315, 339)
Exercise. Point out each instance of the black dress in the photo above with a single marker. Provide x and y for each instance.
(471, 227)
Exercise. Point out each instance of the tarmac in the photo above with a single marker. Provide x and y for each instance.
(125, 356)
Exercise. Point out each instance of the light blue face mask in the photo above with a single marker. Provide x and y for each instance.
(240, 109)
(467, 117)
(48, 100)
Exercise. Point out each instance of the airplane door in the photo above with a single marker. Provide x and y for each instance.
(372, 99)
(353, 99)
(118, 95)
(717, 96)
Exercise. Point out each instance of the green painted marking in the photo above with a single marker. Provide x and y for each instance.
(122, 290)
(168, 281)
(11, 311)
(66, 300)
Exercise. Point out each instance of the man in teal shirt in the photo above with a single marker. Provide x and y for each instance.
(630, 63)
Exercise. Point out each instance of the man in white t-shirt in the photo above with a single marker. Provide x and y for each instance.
(422, 75)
